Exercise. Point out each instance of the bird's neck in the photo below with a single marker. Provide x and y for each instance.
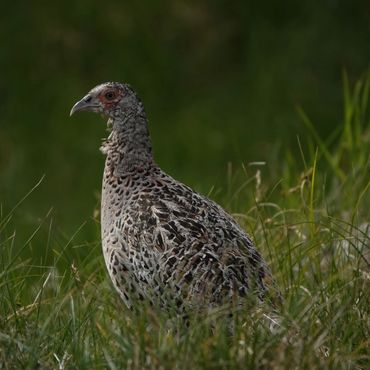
(128, 146)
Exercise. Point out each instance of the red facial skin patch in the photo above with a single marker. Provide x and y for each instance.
(109, 103)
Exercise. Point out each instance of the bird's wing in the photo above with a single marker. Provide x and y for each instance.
(198, 245)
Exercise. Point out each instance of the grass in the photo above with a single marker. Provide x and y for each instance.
(58, 309)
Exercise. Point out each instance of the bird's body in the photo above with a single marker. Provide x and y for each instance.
(163, 242)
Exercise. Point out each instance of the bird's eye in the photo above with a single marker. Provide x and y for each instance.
(110, 95)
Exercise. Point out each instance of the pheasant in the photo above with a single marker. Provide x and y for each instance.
(163, 242)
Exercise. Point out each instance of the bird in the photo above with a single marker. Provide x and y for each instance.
(163, 242)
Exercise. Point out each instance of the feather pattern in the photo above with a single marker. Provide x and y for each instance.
(162, 241)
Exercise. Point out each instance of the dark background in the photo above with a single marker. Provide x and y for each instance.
(220, 81)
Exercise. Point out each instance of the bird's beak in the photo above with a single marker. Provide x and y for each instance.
(85, 104)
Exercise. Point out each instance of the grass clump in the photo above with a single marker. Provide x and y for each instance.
(58, 310)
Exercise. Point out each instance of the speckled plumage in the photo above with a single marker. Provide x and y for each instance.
(162, 241)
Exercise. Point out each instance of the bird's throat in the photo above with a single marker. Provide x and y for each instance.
(128, 144)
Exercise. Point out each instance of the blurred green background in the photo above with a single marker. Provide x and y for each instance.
(220, 81)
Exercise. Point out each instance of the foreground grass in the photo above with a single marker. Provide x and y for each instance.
(58, 310)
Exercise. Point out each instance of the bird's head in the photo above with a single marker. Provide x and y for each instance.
(110, 99)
